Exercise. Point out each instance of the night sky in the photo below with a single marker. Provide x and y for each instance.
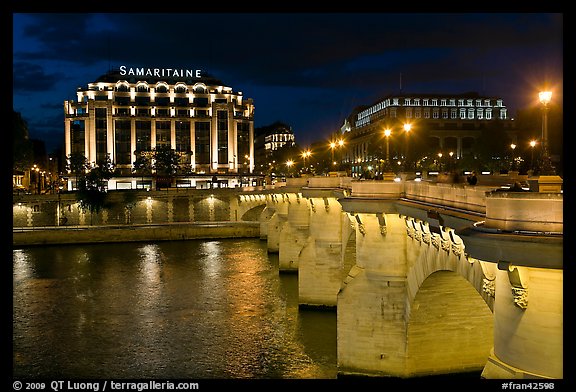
(307, 70)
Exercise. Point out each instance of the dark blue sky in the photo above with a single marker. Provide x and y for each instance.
(308, 70)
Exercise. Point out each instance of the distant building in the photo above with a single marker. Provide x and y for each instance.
(272, 137)
(442, 122)
(122, 114)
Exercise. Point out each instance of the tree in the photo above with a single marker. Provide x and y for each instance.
(77, 164)
(143, 164)
(92, 187)
(166, 164)
(22, 145)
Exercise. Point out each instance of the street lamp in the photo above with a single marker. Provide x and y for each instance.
(289, 163)
(513, 164)
(332, 147)
(440, 161)
(407, 129)
(547, 168)
(305, 154)
(387, 133)
(532, 144)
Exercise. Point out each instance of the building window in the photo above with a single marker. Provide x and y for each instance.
(122, 142)
(77, 136)
(101, 135)
(452, 102)
(162, 89)
(143, 136)
(469, 102)
(478, 102)
(418, 113)
(162, 101)
(470, 114)
(425, 102)
(426, 113)
(480, 114)
(462, 114)
(393, 112)
(179, 101)
(445, 113)
(163, 134)
(408, 112)
(416, 101)
(443, 102)
(202, 142)
(460, 102)
(243, 142)
(435, 113)
(453, 113)
(488, 114)
(395, 101)
(222, 129)
(434, 102)
(406, 101)
(142, 88)
(183, 136)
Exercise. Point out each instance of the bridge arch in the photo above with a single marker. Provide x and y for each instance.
(443, 250)
(450, 328)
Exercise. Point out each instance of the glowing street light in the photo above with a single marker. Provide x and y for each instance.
(332, 147)
(513, 164)
(305, 154)
(532, 144)
(547, 168)
(407, 129)
(387, 133)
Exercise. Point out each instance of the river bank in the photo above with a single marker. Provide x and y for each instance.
(34, 236)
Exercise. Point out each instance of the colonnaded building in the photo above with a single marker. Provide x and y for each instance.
(133, 111)
(423, 124)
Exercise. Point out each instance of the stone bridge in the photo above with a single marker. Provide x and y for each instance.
(426, 278)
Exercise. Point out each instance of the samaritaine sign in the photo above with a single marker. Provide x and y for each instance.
(160, 72)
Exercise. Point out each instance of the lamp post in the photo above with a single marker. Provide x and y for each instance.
(532, 144)
(440, 161)
(305, 154)
(513, 163)
(547, 168)
(387, 133)
(289, 163)
(332, 147)
(407, 129)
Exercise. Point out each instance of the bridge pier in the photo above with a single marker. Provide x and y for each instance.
(528, 324)
(320, 266)
(295, 233)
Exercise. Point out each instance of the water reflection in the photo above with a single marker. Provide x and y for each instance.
(184, 309)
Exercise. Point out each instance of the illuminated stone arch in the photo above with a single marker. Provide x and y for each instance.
(181, 87)
(164, 85)
(199, 88)
(142, 86)
(122, 85)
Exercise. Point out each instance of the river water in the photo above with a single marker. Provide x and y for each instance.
(212, 309)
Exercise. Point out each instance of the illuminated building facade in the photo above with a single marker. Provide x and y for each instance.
(441, 122)
(127, 112)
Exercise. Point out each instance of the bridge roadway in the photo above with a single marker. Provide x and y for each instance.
(426, 278)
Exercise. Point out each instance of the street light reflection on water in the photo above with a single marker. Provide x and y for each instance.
(182, 309)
